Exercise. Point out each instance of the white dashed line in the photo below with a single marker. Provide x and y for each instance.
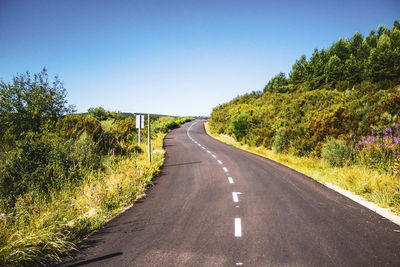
(238, 227)
(230, 180)
(225, 169)
(208, 151)
(235, 196)
(239, 263)
(203, 147)
(198, 144)
(214, 156)
(220, 162)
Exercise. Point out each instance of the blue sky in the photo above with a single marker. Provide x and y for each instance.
(172, 57)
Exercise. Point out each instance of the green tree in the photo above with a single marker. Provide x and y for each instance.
(299, 71)
(334, 69)
(277, 84)
(99, 113)
(28, 102)
(396, 24)
(384, 61)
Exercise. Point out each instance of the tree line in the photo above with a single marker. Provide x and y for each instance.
(348, 62)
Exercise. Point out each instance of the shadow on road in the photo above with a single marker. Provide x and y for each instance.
(96, 259)
(180, 164)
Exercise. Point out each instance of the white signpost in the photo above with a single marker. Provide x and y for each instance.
(139, 125)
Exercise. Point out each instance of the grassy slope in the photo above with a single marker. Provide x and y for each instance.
(380, 188)
(40, 232)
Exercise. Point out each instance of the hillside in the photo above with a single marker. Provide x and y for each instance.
(343, 92)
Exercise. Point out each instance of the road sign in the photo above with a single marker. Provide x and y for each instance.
(140, 121)
(139, 125)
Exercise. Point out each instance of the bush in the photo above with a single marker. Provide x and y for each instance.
(280, 141)
(239, 126)
(336, 152)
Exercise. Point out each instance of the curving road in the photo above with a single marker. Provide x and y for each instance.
(215, 205)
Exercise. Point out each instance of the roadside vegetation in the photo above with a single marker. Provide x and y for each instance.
(64, 175)
(335, 117)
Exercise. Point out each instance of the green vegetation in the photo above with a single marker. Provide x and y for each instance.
(343, 104)
(64, 175)
(336, 152)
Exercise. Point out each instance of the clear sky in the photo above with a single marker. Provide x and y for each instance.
(179, 57)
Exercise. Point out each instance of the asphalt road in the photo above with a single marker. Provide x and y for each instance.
(215, 205)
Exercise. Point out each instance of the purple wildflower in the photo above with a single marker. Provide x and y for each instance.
(372, 131)
(73, 161)
(113, 152)
(351, 135)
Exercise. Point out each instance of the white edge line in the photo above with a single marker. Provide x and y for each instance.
(238, 227)
(372, 206)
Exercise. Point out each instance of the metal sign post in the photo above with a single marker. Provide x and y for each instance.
(149, 136)
(139, 124)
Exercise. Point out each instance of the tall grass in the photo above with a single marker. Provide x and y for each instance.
(43, 224)
(37, 232)
(382, 188)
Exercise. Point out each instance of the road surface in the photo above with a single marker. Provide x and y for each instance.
(215, 205)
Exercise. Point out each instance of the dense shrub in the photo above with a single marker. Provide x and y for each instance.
(239, 126)
(165, 124)
(336, 152)
(280, 141)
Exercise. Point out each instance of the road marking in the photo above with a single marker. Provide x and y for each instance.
(230, 180)
(238, 227)
(235, 196)
(237, 206)
(225, 169)
(208, 151)
(203, 147)
(220, 162)
(198, 144)
(214, 156)
(239, 263)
